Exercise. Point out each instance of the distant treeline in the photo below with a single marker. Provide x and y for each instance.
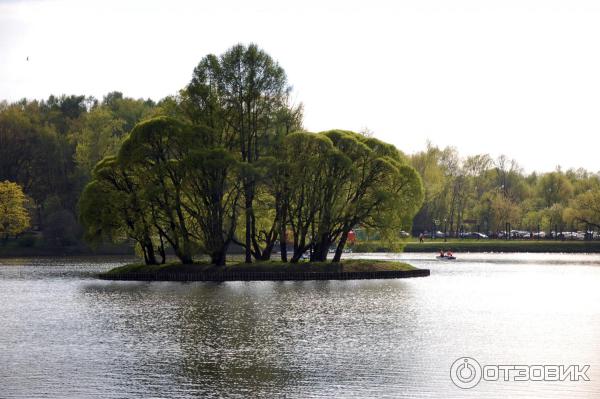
(49, 148)
(478, 193)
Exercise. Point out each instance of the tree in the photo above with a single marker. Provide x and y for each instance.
(191, 188)
(14, 218)
(338, 180)
(154, 153)
(428, 165)
(304, 158)
(112, 207)
(99, 138)
(239, 95)
(585, 208)
(554, 188)
(503, 210)
(211, 193)
(31, 153)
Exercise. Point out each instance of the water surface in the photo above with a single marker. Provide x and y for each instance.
(64, 333)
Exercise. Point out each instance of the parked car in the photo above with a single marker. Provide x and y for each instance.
(468, 234)
(437, 234)
(519, 234)
(479, 236)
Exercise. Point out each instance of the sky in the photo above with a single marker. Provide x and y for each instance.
(520, 78)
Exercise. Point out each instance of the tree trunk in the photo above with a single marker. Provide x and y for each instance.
(340, 248)
(219, 257)
(184, 256)
(321, 249)
(266, 253)
(283, 233)
(283, 244)
(248, 210)
(161, 250)
(149, 253)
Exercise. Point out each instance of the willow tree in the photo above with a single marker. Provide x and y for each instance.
(338, 180)
(190, 189)
(154, 152)
(111, 207)
(377, 190)
(305, 159)
(210, 197)
(240, 94)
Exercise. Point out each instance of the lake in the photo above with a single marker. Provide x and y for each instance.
(65, 334)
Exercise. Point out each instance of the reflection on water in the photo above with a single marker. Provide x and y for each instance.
(66, 334)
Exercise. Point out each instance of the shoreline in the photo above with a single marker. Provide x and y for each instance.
(354, 269)
(516, 246)
(268, 276)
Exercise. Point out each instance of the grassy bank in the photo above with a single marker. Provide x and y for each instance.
(352, 265)
(505, 246)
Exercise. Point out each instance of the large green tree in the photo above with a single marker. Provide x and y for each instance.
(154, 153)
(240, 94)
(338, 180)
(112, 206)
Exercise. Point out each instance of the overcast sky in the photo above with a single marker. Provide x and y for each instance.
(520, 78)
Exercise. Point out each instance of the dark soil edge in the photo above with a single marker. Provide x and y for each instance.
(265, 276)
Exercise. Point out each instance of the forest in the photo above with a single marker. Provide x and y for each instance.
(226, 161)
(495, 196)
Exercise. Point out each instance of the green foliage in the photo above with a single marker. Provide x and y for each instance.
(338, 180)
(99, 138)
(165, 185)
(243, 96)
(585, 208)
(14, 218)
(50, 147)
(478, 193)
(554, 188)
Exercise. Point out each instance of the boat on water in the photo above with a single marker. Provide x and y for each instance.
(445, 257)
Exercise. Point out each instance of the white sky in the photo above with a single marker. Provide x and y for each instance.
(520, 78)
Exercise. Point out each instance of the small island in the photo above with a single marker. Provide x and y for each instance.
(353, 269)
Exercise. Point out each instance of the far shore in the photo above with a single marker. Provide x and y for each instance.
(516, 246)
(430, 245)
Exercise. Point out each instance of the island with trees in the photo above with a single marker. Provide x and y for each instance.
(226, 162)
